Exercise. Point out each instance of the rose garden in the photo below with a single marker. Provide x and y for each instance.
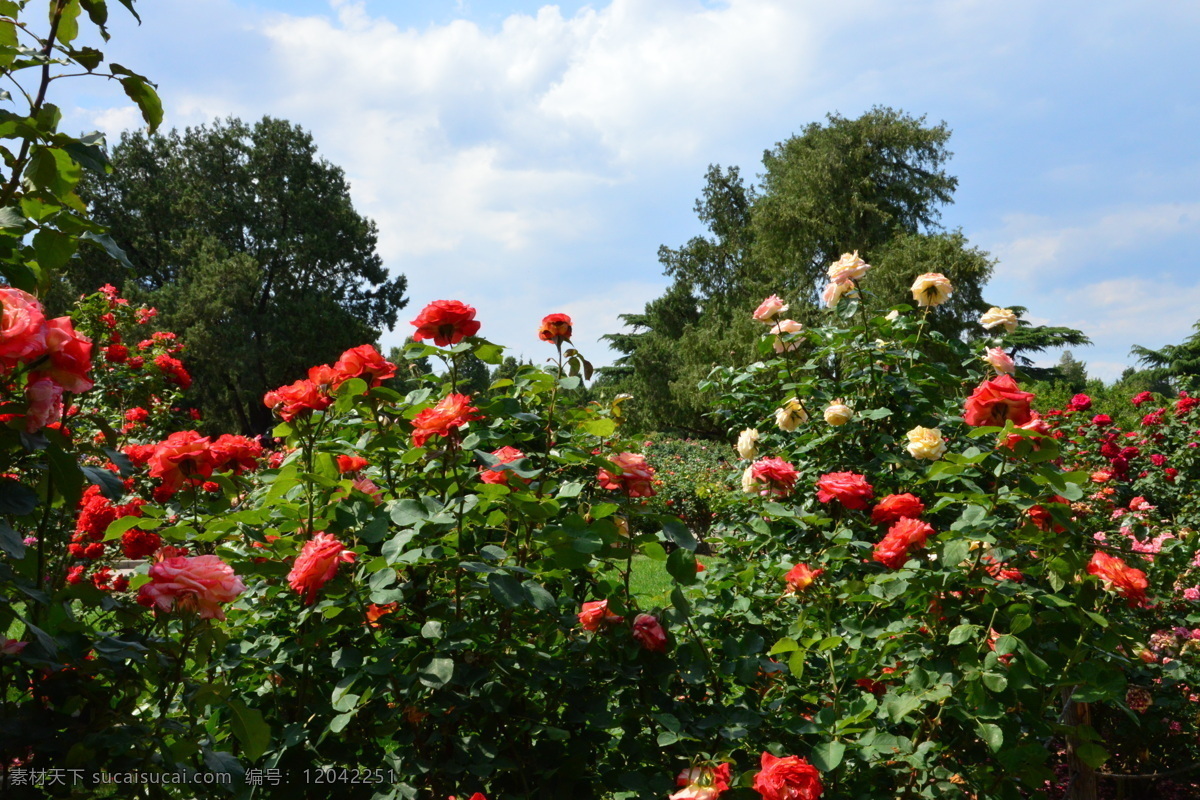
(895, 572)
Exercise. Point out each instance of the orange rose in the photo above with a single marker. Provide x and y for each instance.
(788, 778)
(997, 400)
(556, 328)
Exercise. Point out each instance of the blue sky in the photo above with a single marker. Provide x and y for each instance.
(529, 158)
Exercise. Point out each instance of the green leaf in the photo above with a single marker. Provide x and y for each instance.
(436, 673)
(963, 633)
(11, 541)
(507, 590)
(541, 599)
(52, 249)
(250, 729)
(995, 682)
(109, 482)
(681, 565)
(1092, 754)
(68, 22)
(675, 531)
(16, 498)
(992, 735)
(490, 353)
(784, 645)
(141, 92)
(601, 428)
(827, 756)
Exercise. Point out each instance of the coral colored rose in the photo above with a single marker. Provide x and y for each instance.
(926, 443)
(838, 413)
(1119, 577)
(787, 778)
(895, 507)
(999, 318)
(363, 362)
(931, 289)
(634, 476)
(22, 327)
(595, 614)
(235, 453)
(44, 397)
(1000, 361)
(834, 291)
(776, 476)
(906, 534)
(790, 415)
(198, 583)
(770, 308)
(351, 464)
(316, 565)
(848, 268)
(800, 577)
(451, 413)
(507, 455)
(555, 328)
(375, 612)
(702, 783)
(848, 488)
(1035, 425)
(783, 328)
(70, 355)
(997, 400)
(183, 456)
(447, 322)
(301, 397)
(649, 633)
(747, 443)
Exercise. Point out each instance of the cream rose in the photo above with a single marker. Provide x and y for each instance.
(999, 317)
(926, 443)
(791, 415)
(834, 291)
(838, 413)
(749, 485)
(784, 327)
(848, 268)
(747, 444)
(932, 289)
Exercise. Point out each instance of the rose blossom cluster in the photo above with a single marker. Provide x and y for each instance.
(188, 459)
(315, 393)
(57, 357)
(842, 276)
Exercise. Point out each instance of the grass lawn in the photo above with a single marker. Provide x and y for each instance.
(651, 584)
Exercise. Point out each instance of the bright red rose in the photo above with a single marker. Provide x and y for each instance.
(906, 534)
(848, 488)
(351, 464)
(22, 328)
(183, 456)
(137, 543)
(376, 612)
(237, 453)
(895, 507)
(800, 577)
(292, 401)
(199, 583)
(556, 328)
(173, 370)
(1119, 577)
(777, 476)
(595, 614)
(649, 633)
(1080, 402)
(451, 413)
(997, 400)
(70, 356)
(364, 362)
(1101, 420)
(1142, 397)
(787, 778)
(507, 455)
(317, 564)
(447, 322)
(634, 477)
(324, 377)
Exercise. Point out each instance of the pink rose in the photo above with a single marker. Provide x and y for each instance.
(22, 327)
(649, 633)
(198, 583)
(317, 564)
(45, 404)
(767, 310)
(1000, 361)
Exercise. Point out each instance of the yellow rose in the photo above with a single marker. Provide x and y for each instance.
(997, 317)
(848, 268)
(932, 289)
(926, 443)
(747, 444)
(838, 413)
(790, 416)
(749, 485)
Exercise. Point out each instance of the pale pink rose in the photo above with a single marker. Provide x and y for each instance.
(767, 310)
(45, 404)
(782, 328)
(1001, 361)
(1191, 593)
(199, 583)
(22, 327)
(834, 291)
(932, 289)
(848, 268)
(11, 647)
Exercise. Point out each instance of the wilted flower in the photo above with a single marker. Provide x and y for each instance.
(791, 415)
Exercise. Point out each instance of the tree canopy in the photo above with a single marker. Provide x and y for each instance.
(247, 242)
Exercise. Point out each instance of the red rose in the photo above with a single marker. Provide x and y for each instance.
(997, 400)
(1080, 402)
(185, 455)
(137, 543)
(848, 488)
(1142, 397)
(173, 370)
(800, 577)
(451, 413)
(777, 475)
(447, 322)
(237, 453)
(1118, 576)
(507, 455)
(351, 464)
(595, 614)
(364, 362)
(301, 396)
(895, 507)
(555, 328)
(634, 476)
(317, 564)
(906, 534)
(649, 633)
(1100, 420)
(788, 778)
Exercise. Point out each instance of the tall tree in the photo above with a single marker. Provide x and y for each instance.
(248, 243)
(1177, 363)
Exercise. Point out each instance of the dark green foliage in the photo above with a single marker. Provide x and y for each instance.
(1177, 363)
(249, 246)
